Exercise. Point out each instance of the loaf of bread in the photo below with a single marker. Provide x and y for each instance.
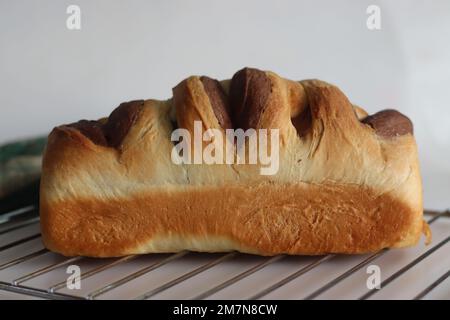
(347, 182)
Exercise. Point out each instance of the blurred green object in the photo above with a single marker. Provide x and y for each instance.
(20, 165)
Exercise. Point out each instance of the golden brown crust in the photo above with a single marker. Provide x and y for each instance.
(343, 186)
(264, 219)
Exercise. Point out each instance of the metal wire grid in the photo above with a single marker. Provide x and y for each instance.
(27, 216)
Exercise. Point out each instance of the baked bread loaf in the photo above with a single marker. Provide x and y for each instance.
(347, 182)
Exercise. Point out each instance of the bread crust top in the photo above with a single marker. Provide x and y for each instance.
(323, 139)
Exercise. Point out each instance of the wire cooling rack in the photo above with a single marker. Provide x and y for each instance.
(29, 271)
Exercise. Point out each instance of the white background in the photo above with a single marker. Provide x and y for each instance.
(141, 49)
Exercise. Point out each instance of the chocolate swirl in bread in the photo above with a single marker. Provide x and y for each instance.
(219, 101)
(249, 92)
(113, 131)
(242, 108)
(389, 123)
